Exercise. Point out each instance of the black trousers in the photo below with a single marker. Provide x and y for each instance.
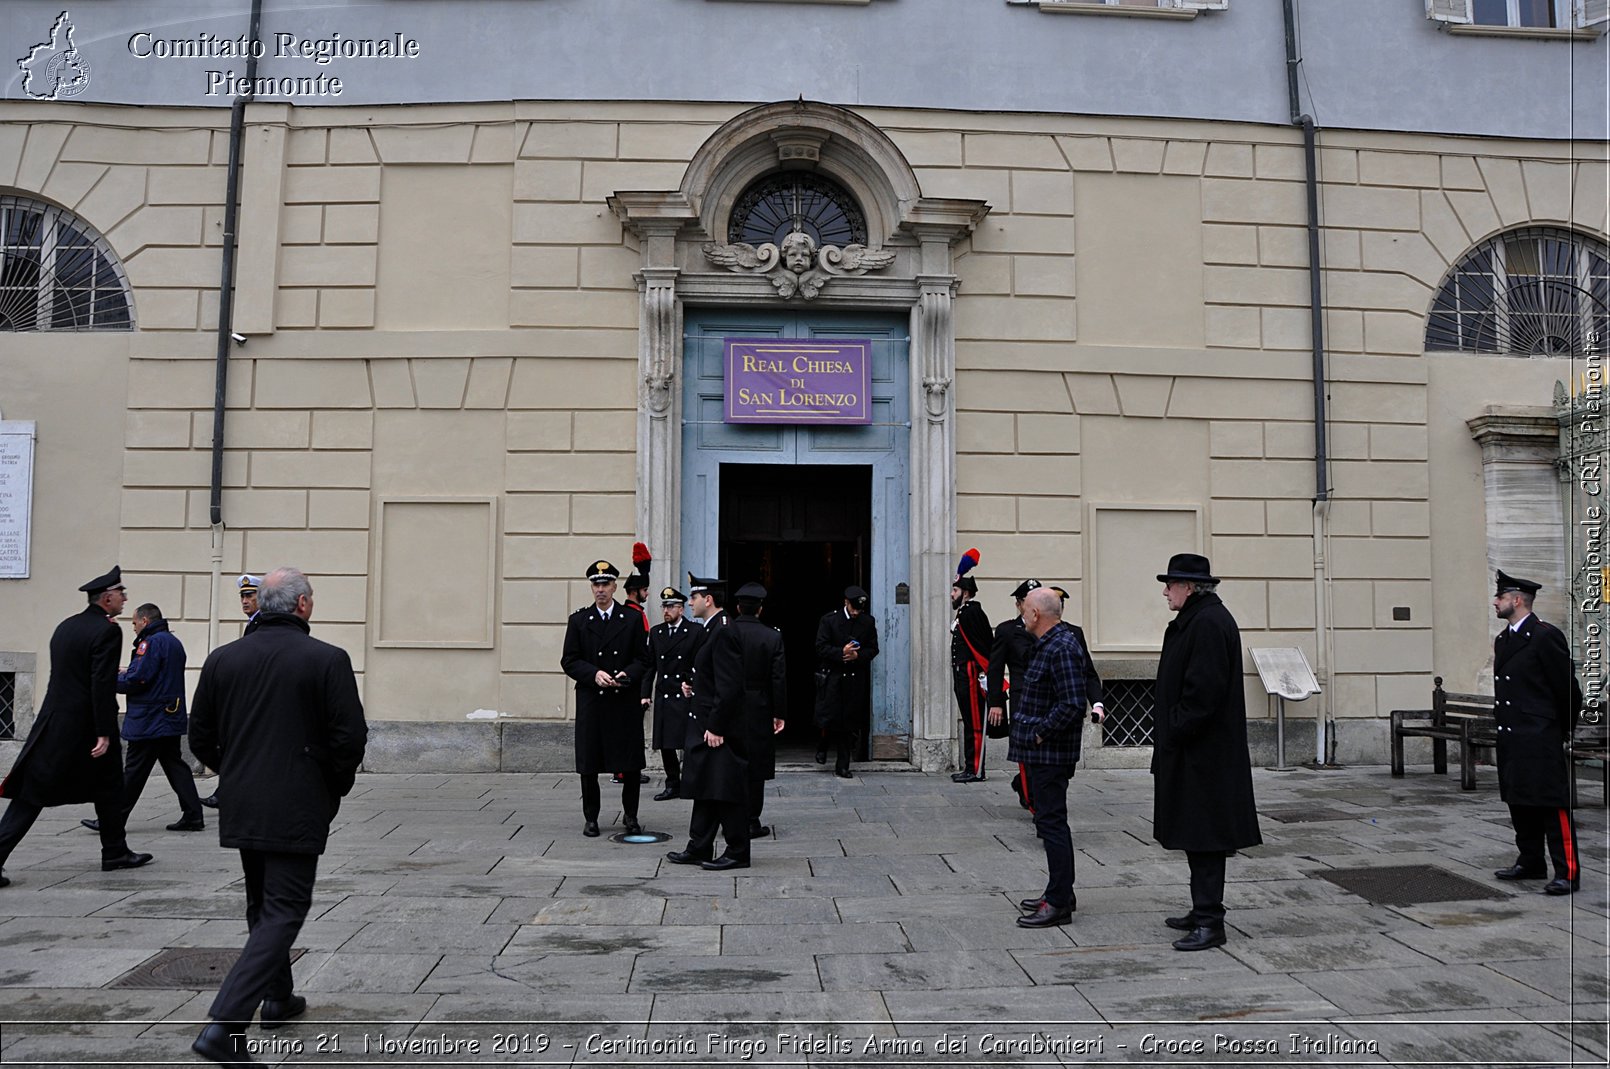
(1536, 825)
(142, 754)
(279, 892)
(20, 816)
(1207, 887)
(733, 820)
(972, 702)
(673, 768)
(1048, 787)
(591, 800)
(843, 740)
(757, 800)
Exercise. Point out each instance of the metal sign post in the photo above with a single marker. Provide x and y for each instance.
(1285, 673)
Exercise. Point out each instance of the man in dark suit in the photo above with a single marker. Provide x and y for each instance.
(73, 754)
(736, 755)
(1535, 700)
(247, 585)
(670, 653)
(969, 664)
(1201, 771)
(277, 713)
(846, 643)
(605, 654)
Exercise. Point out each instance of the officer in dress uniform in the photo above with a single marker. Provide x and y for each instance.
(604, 654)
(247, 584)
(636, 587)
(1009, 655)
(1536, 698)
(846, 643)
(670, 654)
(969, 662)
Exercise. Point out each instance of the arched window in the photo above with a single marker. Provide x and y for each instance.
(779, 204)
(1540, 291)
(56, 272)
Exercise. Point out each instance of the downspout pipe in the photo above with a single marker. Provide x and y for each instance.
(1324, 743)
(226, 308)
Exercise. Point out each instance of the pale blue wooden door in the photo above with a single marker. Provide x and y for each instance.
(884, 446)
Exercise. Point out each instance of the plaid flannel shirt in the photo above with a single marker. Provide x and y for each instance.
(1051, 703)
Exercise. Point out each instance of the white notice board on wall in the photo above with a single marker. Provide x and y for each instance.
(16, 495)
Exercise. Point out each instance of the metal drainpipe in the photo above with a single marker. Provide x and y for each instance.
(1324, 734)
(226, 309)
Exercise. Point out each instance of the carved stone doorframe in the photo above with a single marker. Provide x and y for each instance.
(672, 228)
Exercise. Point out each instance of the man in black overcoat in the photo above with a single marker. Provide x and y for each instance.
(846, 643)
(73, 754)
(277, 714)
(605, 652)
(970, 643)
(1535, 700)
(670, 654)
(1202, 773)
(736, 755)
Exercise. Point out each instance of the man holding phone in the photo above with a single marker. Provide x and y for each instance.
(604, 653)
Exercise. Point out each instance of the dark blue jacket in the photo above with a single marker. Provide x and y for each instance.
(154, 682)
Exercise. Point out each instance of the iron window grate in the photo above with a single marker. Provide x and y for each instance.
(8, 705)
(1129, 712)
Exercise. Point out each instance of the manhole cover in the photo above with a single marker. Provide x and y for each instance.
(1310, 816)
(639, 838)
(185, 967)
(1407, 885)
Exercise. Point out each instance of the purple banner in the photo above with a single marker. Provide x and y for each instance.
(773, 380)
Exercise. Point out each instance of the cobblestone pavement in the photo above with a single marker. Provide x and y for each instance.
(463, 919)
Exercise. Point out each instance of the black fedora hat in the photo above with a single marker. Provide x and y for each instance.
(1188, 568)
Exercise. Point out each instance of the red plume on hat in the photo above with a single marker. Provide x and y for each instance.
(641, 558)
(968, 562)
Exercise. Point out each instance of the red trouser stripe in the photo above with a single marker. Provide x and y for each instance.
(975, 727)
(1570, 845)
(1023, 772)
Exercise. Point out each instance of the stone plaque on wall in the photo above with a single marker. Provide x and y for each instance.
(16, 496)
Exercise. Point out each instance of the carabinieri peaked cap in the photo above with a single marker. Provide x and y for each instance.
(1024, 587)
(705, 586)
(601, 571)
(104, 582)
(751, 592)
(1507, 583)
(672, 596)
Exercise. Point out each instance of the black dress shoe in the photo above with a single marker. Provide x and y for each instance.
(631, 826)
(590, 829)
(843, 773)
(723, 863)
(1561, 886)
(1201, 939)
(669, 793)
(1047, 916)
(278, 1011)
(685, 857)
(188, 825)
(92, 823)
(759, 831)
(1180, 924)
(4, 881)
(224, 1044)
(966, 777)
(821, 757)
(1516, 872)
(1029, 905)
(130, 860)
(211, 801)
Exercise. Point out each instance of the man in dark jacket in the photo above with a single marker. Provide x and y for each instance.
(1202, 773)
(155, 721)
(846, 643)
(736, 755)
(72, 754)
(605, 653)
(969, 666)
(277, 713)
(1535, 700)
(670, 655)
(247, 585)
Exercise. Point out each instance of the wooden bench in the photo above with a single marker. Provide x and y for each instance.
(1453, 717)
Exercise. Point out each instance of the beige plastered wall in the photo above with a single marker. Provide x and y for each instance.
(434, 413)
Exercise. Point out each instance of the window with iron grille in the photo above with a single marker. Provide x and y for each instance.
(1129, 712)
(8, 705)
(56, 272)
(1541, 291)
(797, 201)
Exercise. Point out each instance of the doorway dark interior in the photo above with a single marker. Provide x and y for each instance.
(804, 532)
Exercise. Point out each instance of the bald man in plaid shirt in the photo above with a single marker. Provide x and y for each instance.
(1047, 728)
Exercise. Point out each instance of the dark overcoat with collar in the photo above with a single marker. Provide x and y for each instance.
(80, 706)
(844, 688)
(720, 773)
(277, 713)
(609, 720)
(670, 656)
(1535, 701)
(1202, 773)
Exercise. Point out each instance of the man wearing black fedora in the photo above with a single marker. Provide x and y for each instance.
(1202, 773)
(1535, 700)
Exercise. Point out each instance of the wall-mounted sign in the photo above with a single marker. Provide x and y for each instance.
(773, 380)
(16, 495)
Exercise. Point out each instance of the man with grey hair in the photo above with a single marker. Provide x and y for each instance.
(277, 713)
(1202, 773)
